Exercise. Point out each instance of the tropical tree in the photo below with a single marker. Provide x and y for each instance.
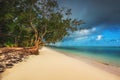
(7, 15)
(34, 22)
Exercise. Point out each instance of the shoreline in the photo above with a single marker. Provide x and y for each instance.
(104, 66)
(55, 65)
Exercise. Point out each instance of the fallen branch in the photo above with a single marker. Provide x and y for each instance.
(26, 50)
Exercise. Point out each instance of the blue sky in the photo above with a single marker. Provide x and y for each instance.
(101, 16)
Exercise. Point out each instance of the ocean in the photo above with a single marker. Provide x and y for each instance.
(107, 55)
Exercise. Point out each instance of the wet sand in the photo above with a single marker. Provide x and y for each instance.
(52, 65)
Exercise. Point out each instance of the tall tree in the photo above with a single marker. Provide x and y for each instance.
(49, 22)
(34, 22)
(7, 15)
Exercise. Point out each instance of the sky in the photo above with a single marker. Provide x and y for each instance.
(102, 23)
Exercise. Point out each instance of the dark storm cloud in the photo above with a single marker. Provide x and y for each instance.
(95, 12)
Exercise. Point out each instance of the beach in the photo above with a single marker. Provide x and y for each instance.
(54, 65)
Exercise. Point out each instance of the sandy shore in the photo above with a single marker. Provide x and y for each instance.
(104, 66)
(52, 65)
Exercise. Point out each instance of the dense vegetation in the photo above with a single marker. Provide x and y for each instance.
(28, 23)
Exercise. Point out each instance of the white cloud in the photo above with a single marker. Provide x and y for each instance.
(93, 29)
(82, 34)
(99, 37)
(80, 38)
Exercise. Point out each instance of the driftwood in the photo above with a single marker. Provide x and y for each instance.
(12, 55)
(26, 50)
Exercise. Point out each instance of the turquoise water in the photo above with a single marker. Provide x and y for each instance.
(108, 55)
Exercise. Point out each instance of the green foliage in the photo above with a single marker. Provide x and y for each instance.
(28, 22)
(9, 44)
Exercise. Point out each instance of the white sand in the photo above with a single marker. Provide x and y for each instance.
(51, 65)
